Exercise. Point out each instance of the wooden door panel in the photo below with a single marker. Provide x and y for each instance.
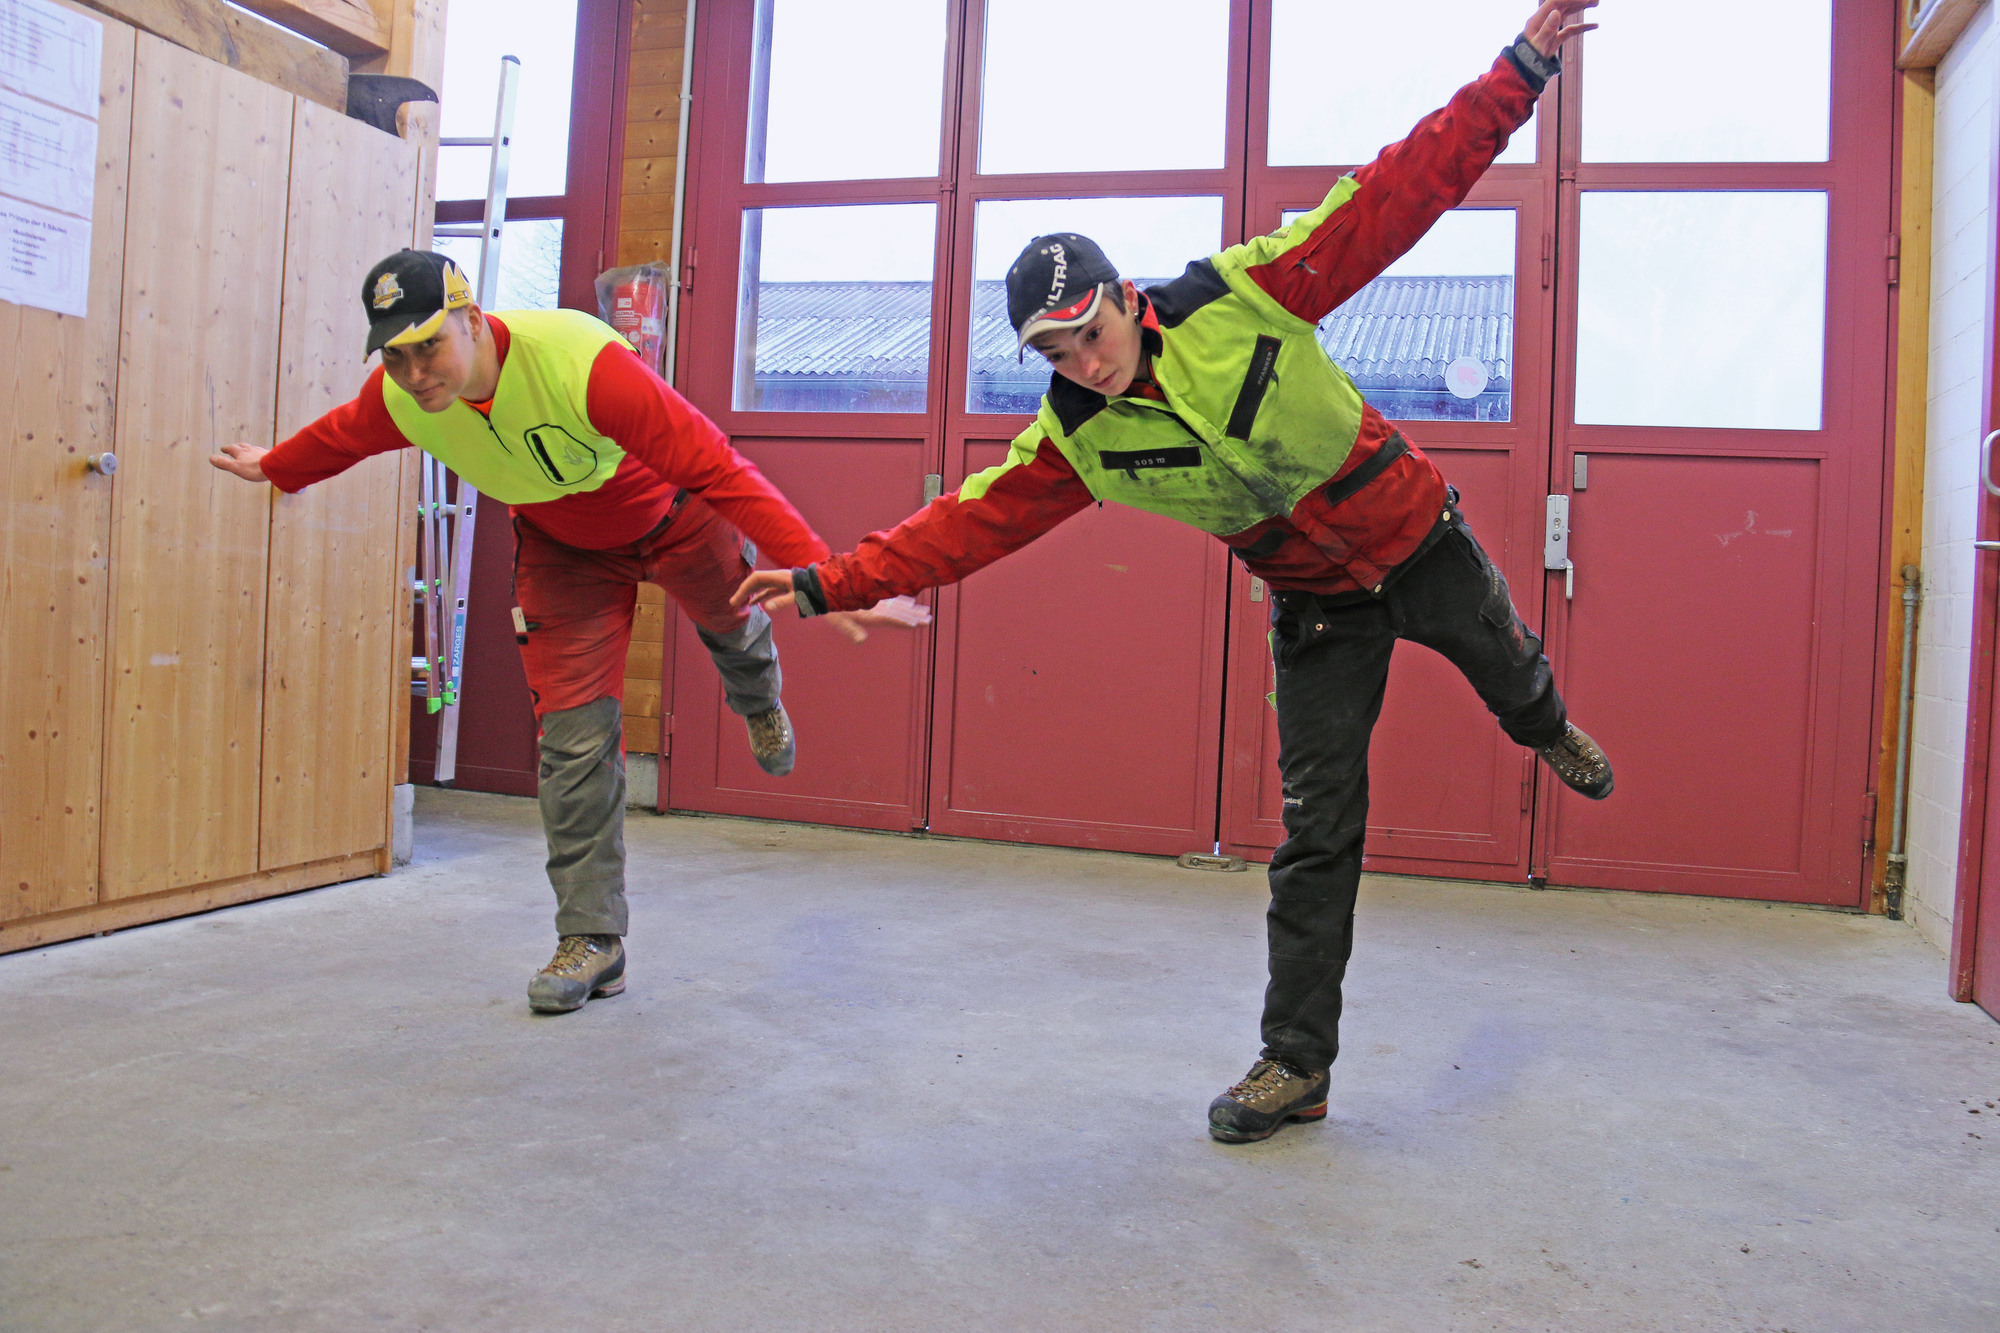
(204, 270)
(58, 386)
(1447, 789)
(856, 708)
(333, 581)
(1078, 701)
(1695, 654)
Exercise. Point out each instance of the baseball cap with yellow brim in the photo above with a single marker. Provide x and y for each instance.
(408, 295)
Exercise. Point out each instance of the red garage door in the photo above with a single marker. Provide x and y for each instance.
(1663, 306)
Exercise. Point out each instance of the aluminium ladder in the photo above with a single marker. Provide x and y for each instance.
(444, 546)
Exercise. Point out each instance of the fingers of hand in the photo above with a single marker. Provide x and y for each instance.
(902, 611)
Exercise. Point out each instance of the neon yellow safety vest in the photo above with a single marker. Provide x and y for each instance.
(537, 443)
(1255, 416)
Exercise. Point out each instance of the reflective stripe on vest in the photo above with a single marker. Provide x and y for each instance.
(537, 443)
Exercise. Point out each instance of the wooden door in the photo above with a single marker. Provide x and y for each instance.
(334, 584)
(204, 274)
(58, 388)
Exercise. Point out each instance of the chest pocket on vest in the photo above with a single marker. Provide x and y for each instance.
(563, 458)
(1129, 461)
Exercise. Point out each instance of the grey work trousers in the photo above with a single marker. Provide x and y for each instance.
(582, 781)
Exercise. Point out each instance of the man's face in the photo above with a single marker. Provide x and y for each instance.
(1103, 355)
(436, 371)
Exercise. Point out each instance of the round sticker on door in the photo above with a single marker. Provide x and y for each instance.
(1466, 377)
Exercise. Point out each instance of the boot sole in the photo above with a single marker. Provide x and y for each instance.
(609, 988)
(1305, 1117)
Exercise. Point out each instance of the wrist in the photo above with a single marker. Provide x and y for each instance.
(1534, 68)
(807, 595)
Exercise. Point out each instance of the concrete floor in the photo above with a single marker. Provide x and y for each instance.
(874, 1083)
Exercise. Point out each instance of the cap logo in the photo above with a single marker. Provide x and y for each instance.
(456, 293)
(1061, 275)
(387, 292)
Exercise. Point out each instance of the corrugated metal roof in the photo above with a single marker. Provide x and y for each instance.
(1397, 333)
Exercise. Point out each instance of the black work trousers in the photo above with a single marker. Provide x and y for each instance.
(1332, 660)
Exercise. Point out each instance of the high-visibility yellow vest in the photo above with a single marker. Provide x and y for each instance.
(1255, 416)
(537, 443)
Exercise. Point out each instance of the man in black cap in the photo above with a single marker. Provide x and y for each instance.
(613, 479)
(1209, 399)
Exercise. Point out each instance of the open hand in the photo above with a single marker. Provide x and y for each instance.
(1549, 26)
(891, 613)
(241, 460)
(768, 588)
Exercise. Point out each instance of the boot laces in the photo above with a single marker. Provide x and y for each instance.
(769, 732)
(572, 953)
(1266, 1076)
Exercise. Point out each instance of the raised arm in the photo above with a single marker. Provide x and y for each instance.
(1372, 218)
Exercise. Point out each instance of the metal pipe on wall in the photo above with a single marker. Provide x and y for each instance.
(1894, 876)
(680, 196)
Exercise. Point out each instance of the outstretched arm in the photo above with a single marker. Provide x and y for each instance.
(1371, 219)
(996, 512)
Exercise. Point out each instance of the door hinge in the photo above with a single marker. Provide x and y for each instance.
(1548, 259)
(666, 737)
(687, 273)
(1868, 824)
(1892, 252)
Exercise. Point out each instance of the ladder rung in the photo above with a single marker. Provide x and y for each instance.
(459, 231)
(458, 142)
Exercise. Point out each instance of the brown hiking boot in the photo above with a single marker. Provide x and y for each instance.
(1272, 1095)
(771, 740)
(586, 967)
(1579, 763)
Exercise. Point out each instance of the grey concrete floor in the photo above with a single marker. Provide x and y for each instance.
(863, 1082)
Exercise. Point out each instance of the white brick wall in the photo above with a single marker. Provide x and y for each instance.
(1962, 195)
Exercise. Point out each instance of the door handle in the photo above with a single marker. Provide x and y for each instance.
(103, 464)
(1555, 543)
(1986, 463)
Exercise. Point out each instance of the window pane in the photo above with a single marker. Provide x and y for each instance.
(1641, 104)
(1148, 240)
(1432, 339)
(1327, 110)
(477, 33)
(814, 118)
(1098, 85)
(530, 262)
(835, 308)
(1701, 309)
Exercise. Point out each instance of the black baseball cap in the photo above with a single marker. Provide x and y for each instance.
(1056, 283)
(406, 297)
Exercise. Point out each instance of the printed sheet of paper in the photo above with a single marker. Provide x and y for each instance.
(51, 62)
(51, 53)
(47, 157)
(44, 258)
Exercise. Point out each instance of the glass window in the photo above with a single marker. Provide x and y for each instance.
(1701, 309)
(835, 311)
(838, 96)
(530, 262)
(1654, 91)
(1098, 85)
(477, 33)
(1343, 87)
(1148, 240)
(1432, 339)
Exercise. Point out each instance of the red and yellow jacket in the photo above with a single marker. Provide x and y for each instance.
(602, 480)
(1249, 431)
